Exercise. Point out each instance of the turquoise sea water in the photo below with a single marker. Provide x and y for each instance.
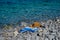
(12, 11)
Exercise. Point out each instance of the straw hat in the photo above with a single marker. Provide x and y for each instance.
(36, 24)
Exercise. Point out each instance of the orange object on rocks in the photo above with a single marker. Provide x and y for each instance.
(36, 24)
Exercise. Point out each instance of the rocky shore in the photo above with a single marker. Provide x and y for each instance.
(51, 31)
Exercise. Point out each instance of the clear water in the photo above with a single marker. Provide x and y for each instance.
(12, 11)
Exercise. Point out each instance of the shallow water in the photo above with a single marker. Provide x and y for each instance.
(18, 10)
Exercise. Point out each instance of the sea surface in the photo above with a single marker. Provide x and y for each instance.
(13, 11)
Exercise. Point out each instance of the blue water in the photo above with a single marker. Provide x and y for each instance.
(12, 11)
